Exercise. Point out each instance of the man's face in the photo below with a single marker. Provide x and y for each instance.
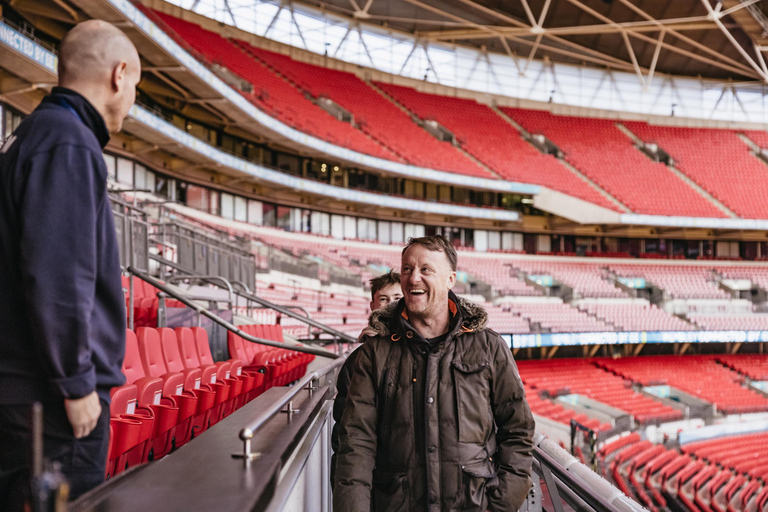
(384, 296)
(426, 277)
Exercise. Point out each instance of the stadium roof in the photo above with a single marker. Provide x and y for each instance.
(725, 40)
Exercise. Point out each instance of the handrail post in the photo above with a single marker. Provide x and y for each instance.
(161, 309)
(130, 301)
(246, 435)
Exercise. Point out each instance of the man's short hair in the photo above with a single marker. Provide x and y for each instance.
(436, 243)
(384, 280)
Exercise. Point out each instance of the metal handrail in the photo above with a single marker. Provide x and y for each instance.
(263, 302)
(550, 467)
(307, 320)
(209, 279)
(246, 433)
(228, 326)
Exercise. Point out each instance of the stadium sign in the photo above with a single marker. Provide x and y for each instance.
(622, 338)
(15, 40)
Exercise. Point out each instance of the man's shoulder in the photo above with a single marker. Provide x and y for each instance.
(50, 127)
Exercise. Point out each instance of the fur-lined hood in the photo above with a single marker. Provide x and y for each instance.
(474, 317)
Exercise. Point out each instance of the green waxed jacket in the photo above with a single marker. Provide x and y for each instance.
(434, 426)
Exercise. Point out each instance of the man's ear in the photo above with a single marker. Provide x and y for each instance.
(451, 280)
(118, 76)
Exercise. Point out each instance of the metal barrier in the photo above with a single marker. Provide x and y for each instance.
(310, 381)
(230, 327)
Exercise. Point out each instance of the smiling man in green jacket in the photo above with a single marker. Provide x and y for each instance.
(436, 417)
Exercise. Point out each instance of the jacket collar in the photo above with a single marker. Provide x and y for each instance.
(87, 113)
(466, 316)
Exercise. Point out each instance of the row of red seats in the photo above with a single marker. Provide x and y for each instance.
(712, 481)
(145, 302)
(700, 376)
(174, 390)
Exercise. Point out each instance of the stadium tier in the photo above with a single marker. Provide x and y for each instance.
(701, 376)
(616, 165)
(719, 474)
(754, 366)
(679, 281)
(373, 113)
(635, 316)
(718, 161)
(495, 142)
(272, 93)
(382, 125)
(580, 376)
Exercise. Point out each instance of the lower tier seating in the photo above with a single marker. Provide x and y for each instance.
(580, 376)
(722, 474)
(175, 391)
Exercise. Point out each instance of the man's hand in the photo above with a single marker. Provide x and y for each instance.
(83, 414)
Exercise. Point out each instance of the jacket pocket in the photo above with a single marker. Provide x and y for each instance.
(473, 406)
(390, 491)
(476, 480)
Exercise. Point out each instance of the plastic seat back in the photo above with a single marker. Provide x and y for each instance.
(186, 342)
(236, 347)
(132, 366)
(151, 352)
(202, 345)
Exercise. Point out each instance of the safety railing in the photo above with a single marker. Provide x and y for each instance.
(568, 481)
(227, 325)
(285, 405)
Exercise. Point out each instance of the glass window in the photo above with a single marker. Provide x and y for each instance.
(255, 212)
(109, 160)
(481, 240)
(227, 206)
(198, 197)
(241, 209)
(337, 227)
(269, 214)
(384, 232)
(350, 227)
(397, 233)
(494, 240)
(284, 218)
(125, 171)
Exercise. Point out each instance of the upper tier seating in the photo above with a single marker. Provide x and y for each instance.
(680, 281)
(373, 113)
(506, 321)
(631, 316)
(273, 94)
(731, 322)
(759, 137)
(718, 161)
(616, 165)
(700, 376)
(758, 275)
(579, 376)
(492, 140)
(498, 273)
(558, 317)
(586, 278)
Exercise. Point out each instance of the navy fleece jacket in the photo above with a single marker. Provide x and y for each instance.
(62, 309)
